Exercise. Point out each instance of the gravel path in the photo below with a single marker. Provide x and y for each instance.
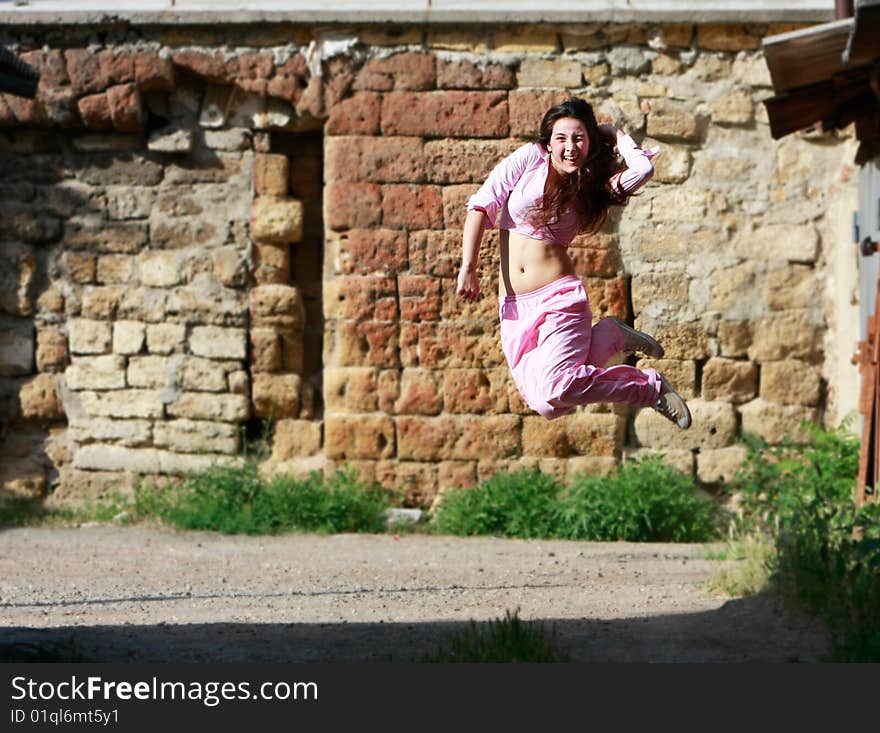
(110, 594)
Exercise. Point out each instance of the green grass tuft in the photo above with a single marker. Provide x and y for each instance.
(508, 639)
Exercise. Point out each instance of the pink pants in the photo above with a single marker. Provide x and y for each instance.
(558, 358)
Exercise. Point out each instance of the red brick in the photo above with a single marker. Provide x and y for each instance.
(527, 109)
(402, 71)
(117, 67)
(126, 108)
(27, 112)
(419, 298)
(356, 115)
(465, 74)
(95, 112)
(442, 114)
(412, 207)
(376, 160)
(84, 71)
(210, 66)
(353, 205)
(338, 80)
(361, 298)
(290, 79)
(252, 67)
(50, 65)
(152, 73)
(369, 251)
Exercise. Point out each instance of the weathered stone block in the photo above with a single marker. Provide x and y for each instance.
(277, 220)
(122, 403)
(407, 206)
(271, 263)
(420, 392)
(679, 205)
(39, 399)
(733, 108)
(734, 337)
(458, 438)
(714, 426)
(276, 396)
(96, 372)
(527, 108)
(215, 342)
(400, 71)
(726, 37)
(450, 113)
(367, 251)
(374, 160)
(230, 266)
(352, 205)
(80, 267)
(791, 383)
(103, 457)
(357, 115)
(363, 436)
(271, 173)
(681, 373)
(786, 335)
(128, 337)
(178, 464)
(474, 391)
(465, 74)
(361, 298)
(729, 380)
(51, 354)
(774, 422)
(794, 243)
(789, 288)
(667, 120)
(518, 39)
(126, 432)
(572, 435)
(165, 338)
(296, 439)
(154, 372)
(351, 389)
(89, 336)
(16, 348)
(265, 350)
(277, 306)
(210, 406)
(681, 340)
(720, 464)
(549, 73)
(196, 436)
(349, 343)
(162, 269)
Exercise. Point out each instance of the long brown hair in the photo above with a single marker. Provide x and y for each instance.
(588, 190)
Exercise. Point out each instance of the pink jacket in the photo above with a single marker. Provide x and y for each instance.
(515, 187)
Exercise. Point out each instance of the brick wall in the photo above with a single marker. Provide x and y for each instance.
(205, 228)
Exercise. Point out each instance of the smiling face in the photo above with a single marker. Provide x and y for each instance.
(569, 145)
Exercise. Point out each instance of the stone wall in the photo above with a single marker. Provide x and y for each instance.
(204, 228)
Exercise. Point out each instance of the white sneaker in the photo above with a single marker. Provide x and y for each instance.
(637, 340)
(671, 405)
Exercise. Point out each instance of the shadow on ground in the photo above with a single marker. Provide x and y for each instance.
(736, 632)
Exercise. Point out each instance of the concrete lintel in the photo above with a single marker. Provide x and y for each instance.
(215, 12)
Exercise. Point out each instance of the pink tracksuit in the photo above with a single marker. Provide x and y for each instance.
(555, 354)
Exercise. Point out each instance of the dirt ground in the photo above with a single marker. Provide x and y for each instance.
(106, 593)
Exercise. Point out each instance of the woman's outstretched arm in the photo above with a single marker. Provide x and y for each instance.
(468, 285)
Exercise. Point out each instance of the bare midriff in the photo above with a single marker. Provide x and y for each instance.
(528, 264)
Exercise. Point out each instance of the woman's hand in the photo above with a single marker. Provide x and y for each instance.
(468, 285)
